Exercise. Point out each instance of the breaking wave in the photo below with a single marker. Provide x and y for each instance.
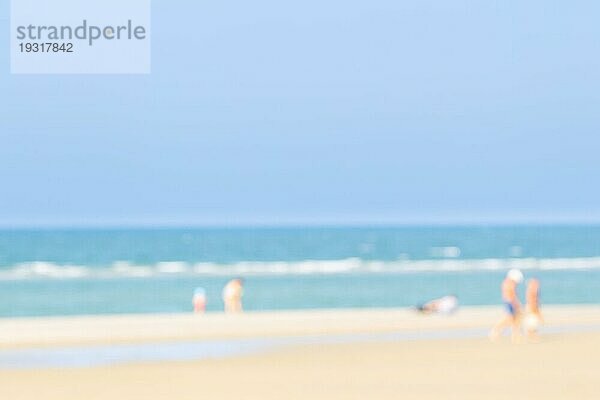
(121, 269)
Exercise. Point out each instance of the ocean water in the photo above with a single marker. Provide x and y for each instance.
(85, 271)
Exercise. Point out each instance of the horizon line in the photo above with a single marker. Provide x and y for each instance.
(301, 225)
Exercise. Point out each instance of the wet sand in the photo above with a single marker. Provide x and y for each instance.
(560, 366)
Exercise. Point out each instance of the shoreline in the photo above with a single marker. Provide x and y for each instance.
(147, 328)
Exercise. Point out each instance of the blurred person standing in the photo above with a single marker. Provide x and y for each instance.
(199, 300)
(232, 295)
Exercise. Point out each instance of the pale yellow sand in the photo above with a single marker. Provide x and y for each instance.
(562, 366)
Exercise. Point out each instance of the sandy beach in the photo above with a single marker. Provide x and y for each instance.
(563, 365)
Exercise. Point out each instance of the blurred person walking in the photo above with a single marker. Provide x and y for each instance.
(512, 307)
(533, 317)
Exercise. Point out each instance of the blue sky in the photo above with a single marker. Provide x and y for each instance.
(275, 112)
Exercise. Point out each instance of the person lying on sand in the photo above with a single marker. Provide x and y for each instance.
(512, 306)
(444, 305)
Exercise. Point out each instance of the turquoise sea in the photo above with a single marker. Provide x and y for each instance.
(98, 271)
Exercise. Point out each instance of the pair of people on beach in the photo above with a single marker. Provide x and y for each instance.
(232, 297)
(513, 310)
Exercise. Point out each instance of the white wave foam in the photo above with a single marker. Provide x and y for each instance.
(445, 252)
(122, 269)
(43, 270)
